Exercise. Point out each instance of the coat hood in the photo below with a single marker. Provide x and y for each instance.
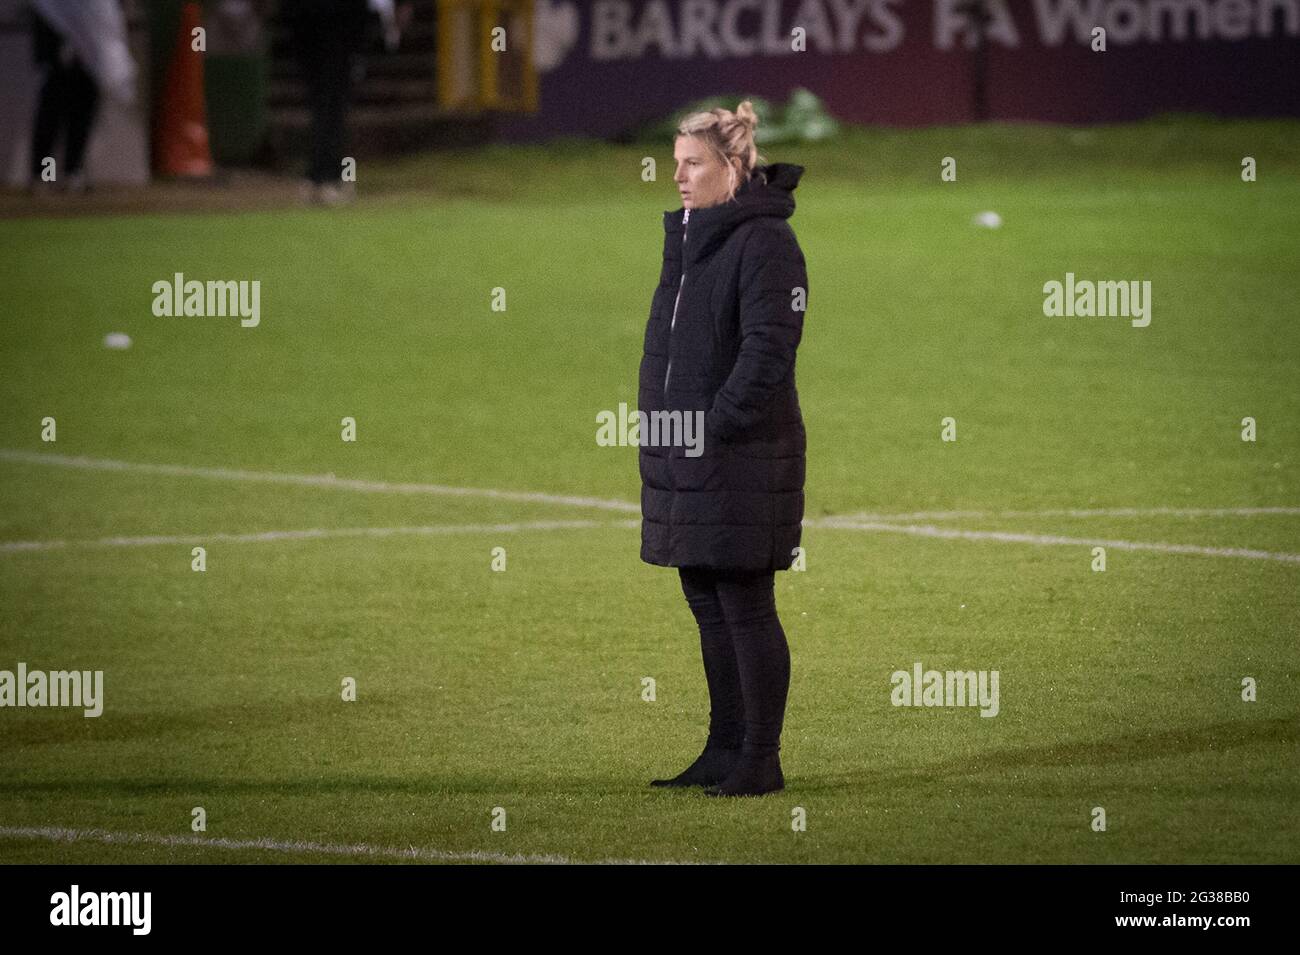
(768, 191)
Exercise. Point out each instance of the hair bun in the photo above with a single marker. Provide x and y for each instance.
(745, 113)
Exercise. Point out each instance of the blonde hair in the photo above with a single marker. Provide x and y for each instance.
(728, 136)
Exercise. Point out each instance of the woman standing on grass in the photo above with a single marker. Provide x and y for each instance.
(720, 346)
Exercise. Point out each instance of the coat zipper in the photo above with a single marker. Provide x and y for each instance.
(686, 218)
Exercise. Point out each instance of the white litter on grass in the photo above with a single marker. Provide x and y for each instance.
(117, 340)
(989, 219)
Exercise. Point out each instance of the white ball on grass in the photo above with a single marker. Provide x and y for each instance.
(117, 340)
(989, 220)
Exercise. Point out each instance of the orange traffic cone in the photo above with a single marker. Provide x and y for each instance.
(180, 142)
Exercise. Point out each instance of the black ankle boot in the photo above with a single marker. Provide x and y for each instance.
(753, 776)
(711, 766)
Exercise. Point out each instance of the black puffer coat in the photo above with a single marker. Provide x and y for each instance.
(736, 278)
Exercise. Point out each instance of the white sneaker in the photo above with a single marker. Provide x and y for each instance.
(336, 193)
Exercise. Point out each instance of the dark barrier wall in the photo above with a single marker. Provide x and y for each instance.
(611, 64)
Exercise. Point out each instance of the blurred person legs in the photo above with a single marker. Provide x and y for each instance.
(327, 33)
(66, 108)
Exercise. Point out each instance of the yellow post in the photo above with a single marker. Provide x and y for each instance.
(484, 70)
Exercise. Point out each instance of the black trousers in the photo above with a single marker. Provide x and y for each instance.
(746, 656)
(68, 100)
(327, 34)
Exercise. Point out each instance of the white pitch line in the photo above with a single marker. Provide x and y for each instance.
(411, 853)
(315, 533)
(312, 480)
(834, 523)
(1079, 512)
(929, 530)
(386, 487)
(847, 522)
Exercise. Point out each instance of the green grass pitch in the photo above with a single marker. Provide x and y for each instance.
(522, 689)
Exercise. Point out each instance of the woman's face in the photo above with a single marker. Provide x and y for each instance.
(702, 180)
